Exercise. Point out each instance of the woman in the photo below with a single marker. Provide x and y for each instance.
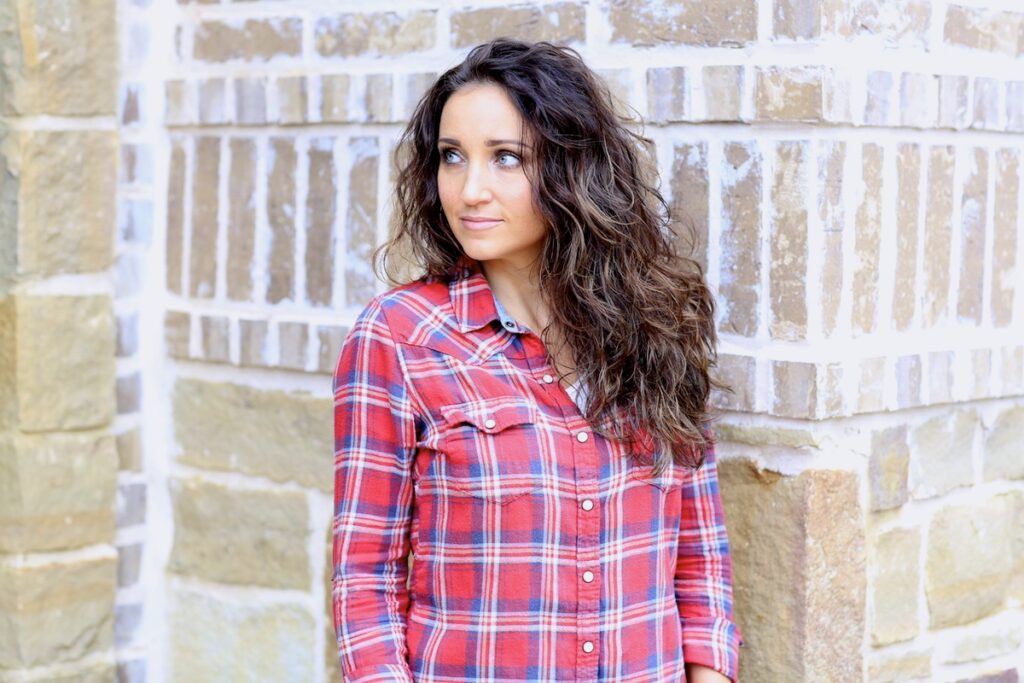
(528, 416)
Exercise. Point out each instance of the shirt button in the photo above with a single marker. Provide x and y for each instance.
(588, 504)
(548, 379)
(588, 576)
(588, 646)
(509, 324)
(582, 436)
(490, 423)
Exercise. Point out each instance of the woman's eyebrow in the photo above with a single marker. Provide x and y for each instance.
(489, 143)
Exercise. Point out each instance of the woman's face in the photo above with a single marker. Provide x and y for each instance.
(485, 192)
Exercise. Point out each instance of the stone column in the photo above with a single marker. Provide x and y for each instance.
(58, 461)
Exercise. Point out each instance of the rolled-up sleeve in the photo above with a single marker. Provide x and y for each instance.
(374, 445)
(703, 578)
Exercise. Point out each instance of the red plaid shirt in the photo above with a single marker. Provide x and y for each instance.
(541, 551)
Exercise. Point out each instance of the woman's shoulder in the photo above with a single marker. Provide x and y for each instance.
(408, 303)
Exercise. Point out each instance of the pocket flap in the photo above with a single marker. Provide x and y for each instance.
(492, 415)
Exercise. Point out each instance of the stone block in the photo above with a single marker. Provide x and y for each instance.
(235, 536)
(558, 22)
(56, 491)
(985, 644)
(58, 58)
(71, 231)
(969, 561)
(911, 666)
(378, 33)
(56, 612)
(895, 584)
(253, 40)
(888, 468)
(799, 570)
(1004, 446)
(212, 639)
(941, 454)
(728, 23)
(740, 276)
(275, 434)
(46, 399)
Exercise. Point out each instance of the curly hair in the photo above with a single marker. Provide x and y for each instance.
(635, 314)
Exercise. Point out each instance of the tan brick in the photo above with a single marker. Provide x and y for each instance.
(1015, 106)
(895, 582)
(175, 216)
(1004, 236)
(901, 668)
(940, 377)
(689, 182)
(729, 23)
(253, 343)
(281, 217)
(796, 19)
(214, 638)
(938, 232)
(559, 22)
(59, 59)
(334, 97)
(177, 104)
(986, 104)
(868, 236)
(241, 219)
(70, 231)
(942, 448)
(321, 214)
(46, 399)
(56, 491)
(908, 199)
(1011, 370)
(102, 672)
(832, 215)
(788, 93)
(381, 33)
(916, 100)
(205, 200)
(668, 94)
(833, 400)
(788, 270)
(981, 28)
(214, 331)
(177, 328)
(723, 92)
(871, 385)
(136, 167)
(129, 450)
(130, 105)
(981, 373)
(329, 338)
(740, 373)
(893, 22)
(415, 86)
(972, 231)
(291, 99)
(127, 335)
(619, 83)
(953, 111)
(772, 435)
(275, 434)
(1004, 446)
(361, 220)
(229, 535)
(129, 394)
(740, 275)
(879, 107)
(908, 381)
(56, 612)
(836, 88)
(251, 101)
(248, 41)
(795, 389)
(213, 101)
(888, 468)
(292, 341)
(969, 561)
(798, 551)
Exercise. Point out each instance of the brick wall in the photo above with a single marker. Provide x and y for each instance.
(854, 168)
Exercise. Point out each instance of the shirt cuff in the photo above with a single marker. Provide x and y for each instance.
(714, 643)
(379, 673)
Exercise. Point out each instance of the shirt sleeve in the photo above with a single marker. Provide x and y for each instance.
(374, 445)
(703, 578)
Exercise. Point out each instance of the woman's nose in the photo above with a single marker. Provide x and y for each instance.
(476, 188)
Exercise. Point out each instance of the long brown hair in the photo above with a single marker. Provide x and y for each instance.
(636, 315)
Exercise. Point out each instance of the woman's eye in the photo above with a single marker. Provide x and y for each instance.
(513, 160)
(447, 154)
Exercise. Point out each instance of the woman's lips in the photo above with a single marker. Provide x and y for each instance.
(479, 223)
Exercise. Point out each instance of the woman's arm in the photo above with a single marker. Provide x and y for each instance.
(703, 579)
(374, 444)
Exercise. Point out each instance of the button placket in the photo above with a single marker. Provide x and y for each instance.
(586, 456)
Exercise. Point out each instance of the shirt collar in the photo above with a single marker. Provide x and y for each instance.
(473, 301)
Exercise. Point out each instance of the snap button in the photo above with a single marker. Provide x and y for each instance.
(582, 436)
(588, 504)
(509, 324)
(490, 423)
(548, 379)
(588, 647)
(588, 576)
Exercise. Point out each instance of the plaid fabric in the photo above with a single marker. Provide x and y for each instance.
(541, 551)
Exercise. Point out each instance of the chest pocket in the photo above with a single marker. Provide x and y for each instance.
(491, 449)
